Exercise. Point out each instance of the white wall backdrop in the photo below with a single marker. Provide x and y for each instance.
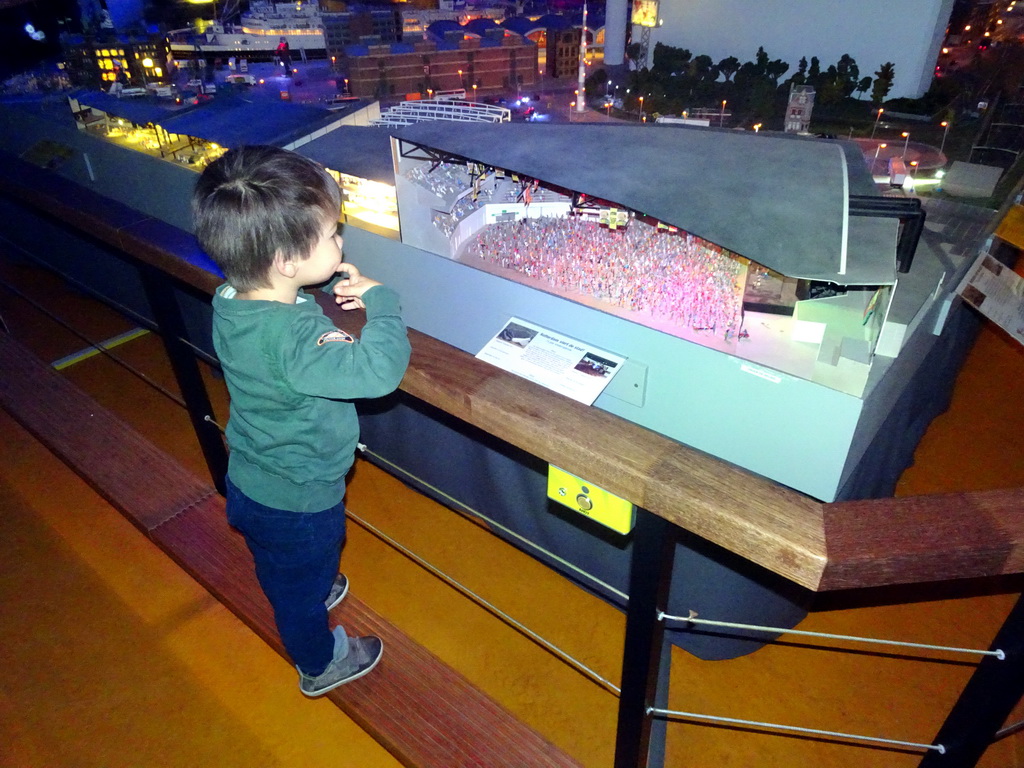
(908, 33)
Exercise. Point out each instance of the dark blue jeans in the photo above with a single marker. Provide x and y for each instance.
(296, 556)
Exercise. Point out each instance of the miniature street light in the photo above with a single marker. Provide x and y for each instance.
(945, 132)
(641, 109)
(474, 91)
(877, 118)
(913, 168)
(881, 146)
(721, 115)
(757, 127)
(906, 142)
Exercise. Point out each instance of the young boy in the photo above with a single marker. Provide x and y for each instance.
(269, 219)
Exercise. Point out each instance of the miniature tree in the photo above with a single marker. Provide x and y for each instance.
(728, 67)
(848, 73)
(814, 72)
(862, 86)
(776, 69)
(883, 82)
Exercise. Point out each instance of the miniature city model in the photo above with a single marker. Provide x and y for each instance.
(817, 380)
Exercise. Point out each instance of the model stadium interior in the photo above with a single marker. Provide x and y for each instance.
(819, 318)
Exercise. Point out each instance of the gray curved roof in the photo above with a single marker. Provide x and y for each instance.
(227, 120)
(356, 150)
(778, 201)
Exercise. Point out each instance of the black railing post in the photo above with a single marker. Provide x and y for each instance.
(986, 701)
(169, 320)
(649, 575)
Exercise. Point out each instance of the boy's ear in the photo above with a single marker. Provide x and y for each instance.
(285, 265)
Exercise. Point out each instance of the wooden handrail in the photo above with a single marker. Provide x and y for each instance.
(938, 537)
(820, 546)
(747, 514)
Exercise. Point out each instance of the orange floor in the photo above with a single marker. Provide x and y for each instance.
(114, 657)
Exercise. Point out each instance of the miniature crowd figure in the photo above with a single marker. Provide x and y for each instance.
(269, 219)
(641, 268)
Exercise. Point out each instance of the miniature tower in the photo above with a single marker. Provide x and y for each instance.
(582, 72)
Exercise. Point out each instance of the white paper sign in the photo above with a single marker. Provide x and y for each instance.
(997, 292)
(561, 364)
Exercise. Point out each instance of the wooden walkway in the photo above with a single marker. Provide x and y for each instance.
(422, 711)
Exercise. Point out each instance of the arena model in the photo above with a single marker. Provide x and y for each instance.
(818, 318)
(787, 359)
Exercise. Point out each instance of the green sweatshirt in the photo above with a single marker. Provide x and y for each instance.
(292, 376)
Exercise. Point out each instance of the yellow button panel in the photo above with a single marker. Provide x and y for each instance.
(587, 499)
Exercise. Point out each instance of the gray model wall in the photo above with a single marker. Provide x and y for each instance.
(793, 431)
(156, 187)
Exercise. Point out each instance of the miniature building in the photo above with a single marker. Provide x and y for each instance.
(824, 279)
(350, 27)
(495, 61)
(563, 54)
(96, 61)
(798, 111)
(418, 20)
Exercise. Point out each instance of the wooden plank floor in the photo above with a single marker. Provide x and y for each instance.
(114, 657)
(422, 711)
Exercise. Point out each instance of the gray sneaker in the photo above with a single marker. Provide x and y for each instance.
(338, 591)
(364, 653)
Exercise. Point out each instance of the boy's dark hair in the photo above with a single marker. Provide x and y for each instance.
(256, 202)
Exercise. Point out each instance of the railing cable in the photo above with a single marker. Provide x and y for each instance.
(693, 619)
(486, 605)
(101, 297)
(1009, 730)
(941, 749)
(97, 345)
(463, 508)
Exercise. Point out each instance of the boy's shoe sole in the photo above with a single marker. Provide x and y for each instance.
(338, 591)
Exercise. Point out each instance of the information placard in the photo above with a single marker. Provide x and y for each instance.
(561, 364)
(997, 292)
